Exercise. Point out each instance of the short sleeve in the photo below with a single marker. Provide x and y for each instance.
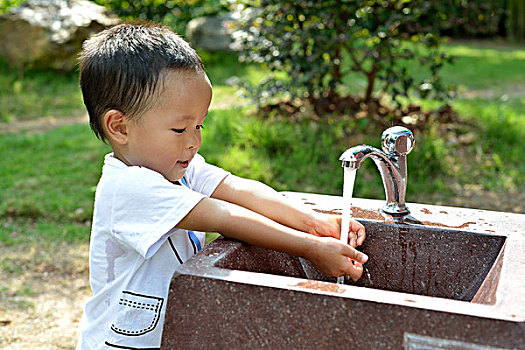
(146, 207)
(203, 177)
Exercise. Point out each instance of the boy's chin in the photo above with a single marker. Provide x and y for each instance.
(175, 177)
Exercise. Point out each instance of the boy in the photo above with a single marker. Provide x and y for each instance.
(147, 94)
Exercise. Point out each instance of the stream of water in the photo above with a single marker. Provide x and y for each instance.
(348, 190)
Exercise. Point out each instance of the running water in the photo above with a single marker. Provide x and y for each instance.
(348, 190)
(367, 273)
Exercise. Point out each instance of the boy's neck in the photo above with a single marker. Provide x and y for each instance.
(117, 154)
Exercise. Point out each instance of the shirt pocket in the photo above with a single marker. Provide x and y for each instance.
(137, 314)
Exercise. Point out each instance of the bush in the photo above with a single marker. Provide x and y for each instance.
(5, 5)
(174, 13)
(467, 18)
(322, 44)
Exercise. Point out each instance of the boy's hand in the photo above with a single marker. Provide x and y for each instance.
(330, 226)
(334, 258)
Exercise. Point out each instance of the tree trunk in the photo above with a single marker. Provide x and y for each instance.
(516, 19)
(371, 77)
(336, 68)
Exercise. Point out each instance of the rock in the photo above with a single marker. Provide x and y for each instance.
(48, 34)
(211, 33)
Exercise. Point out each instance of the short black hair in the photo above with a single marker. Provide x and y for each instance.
(120, 68)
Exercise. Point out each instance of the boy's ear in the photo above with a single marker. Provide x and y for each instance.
(116, 125)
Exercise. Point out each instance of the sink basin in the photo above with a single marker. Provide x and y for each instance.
(426, 261)
(443, 278)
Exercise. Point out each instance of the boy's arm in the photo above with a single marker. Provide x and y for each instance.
(329, 255)
(264, 200)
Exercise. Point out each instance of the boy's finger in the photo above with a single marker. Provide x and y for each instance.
(359, 229)
(355, 255)
(355, 271)
(353, 239)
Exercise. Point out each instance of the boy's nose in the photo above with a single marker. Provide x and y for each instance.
(194, 141)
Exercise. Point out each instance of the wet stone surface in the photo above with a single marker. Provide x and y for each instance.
(424, 261)
(432, 262)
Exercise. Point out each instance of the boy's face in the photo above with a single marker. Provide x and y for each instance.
(167, 137)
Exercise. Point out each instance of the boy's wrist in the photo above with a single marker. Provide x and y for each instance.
(310, 247)
(310, 222)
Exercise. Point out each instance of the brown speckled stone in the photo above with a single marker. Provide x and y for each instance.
(461, 286)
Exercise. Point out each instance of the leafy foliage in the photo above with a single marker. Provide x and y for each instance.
(320, 44)
(175, 13)
(154, 10)
(471, 18)
(6, 5)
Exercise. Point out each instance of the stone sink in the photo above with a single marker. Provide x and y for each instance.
(441, 278)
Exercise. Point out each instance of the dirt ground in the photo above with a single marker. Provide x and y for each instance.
(43, 292)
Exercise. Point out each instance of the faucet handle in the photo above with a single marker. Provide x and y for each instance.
(397, 139)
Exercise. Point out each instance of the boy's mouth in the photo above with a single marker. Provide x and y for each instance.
(183, 163)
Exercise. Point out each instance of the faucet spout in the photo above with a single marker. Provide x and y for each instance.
(397, 143)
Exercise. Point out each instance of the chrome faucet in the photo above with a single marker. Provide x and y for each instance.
(396, 142)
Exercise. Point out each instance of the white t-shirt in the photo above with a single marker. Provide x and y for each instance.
(135, 249)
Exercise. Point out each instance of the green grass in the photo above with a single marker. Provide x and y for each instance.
(47, 183)
(499, 145)
(38, 94)
(47, 180)
(480, 67)
(222, 66)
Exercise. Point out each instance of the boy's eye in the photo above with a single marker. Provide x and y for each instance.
(179, 131)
